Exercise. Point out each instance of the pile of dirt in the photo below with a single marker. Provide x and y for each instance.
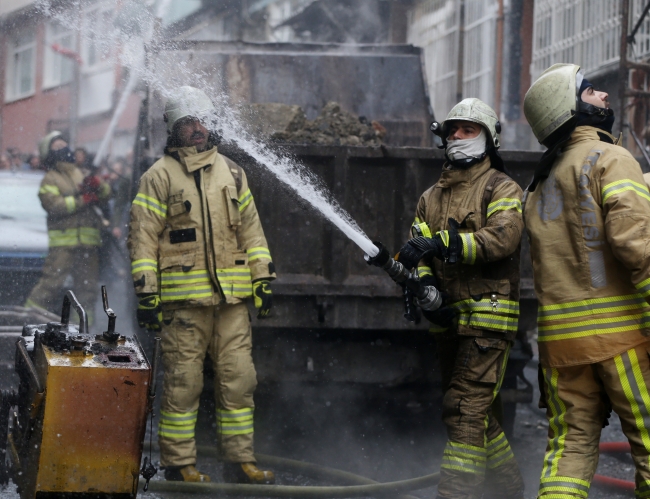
(333, 126)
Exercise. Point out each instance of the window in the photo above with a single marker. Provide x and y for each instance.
(21, 65)
(58, 68)
(97, 40)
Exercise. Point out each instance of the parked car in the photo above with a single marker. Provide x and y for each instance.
(23, 235)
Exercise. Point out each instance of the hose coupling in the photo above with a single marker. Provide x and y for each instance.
(396, 271)
(429, 298)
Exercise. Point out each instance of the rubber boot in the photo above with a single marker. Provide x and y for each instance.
(246, 473)
(187, 473)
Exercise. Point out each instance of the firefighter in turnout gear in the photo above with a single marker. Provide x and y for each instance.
(587, 214)
(197, 252)
(469, 228)
(73, 225)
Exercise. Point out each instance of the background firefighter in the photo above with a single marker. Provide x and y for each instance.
(587, 213)
(73, 226)
(198, 251)
(470, 228)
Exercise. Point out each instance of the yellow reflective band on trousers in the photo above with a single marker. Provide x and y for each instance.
(465, 458)
(503, 204)
(257, 253)
(236, 422)
(74, 237)
(144, 264)
(557, 425)
(245, 199)
(151, 204)
(70, 204)
(643, 490)
(469, 248)
(643, 287)
(498, 451)
(625, 185)
(177, 425)
(563, 487)
(235, 282)
(49, 189)
(636, 392)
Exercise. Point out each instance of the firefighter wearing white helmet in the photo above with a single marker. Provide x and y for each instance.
(198, 252)
(73, 227)
(587, 214)
(468, 227)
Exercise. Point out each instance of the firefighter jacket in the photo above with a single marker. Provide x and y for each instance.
(69, 221)
(483, 287)
(589, 230)
(195, 235)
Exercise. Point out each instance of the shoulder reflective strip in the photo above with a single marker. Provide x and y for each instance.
(423, 271)
(245, 199)
(503, 204)
(557, 425)
(592, 306)
(144, 264)
(594, 327)
(257, 253)
(643, 287)
(636, 391)
(179, 416)
(188, 293)
(151, 204)
(469, 248)
(70, 203)
(49, 189)
(485, 305)
(625, 185)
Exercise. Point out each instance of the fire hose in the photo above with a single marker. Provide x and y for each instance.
(607, 481)
(361, 486)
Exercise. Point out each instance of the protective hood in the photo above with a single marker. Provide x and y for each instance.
(464, 149)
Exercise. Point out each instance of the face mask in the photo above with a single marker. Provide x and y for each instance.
(63, 155)
(467, 148)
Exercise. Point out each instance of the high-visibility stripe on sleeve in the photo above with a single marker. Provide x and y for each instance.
(503, 204)
(444, 237)
(245, 199)
(151, 204)
(469, 248)
(420, 229)
(49, 189)
(235, 422)
(70, 203)
(144, 264)
(177, 425)
(464, 458)
(424, 271)
(257, 253)
(625, 185)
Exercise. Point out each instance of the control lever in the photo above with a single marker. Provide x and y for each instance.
(110, 335)
(71, 299)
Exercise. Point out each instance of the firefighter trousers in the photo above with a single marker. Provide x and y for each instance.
(578, 401)
(81, 264)
(477, 460)
(223, 331)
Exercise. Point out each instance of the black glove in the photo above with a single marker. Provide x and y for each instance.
(443, 317)
(149, 312)
(445, 245)
(409, 256)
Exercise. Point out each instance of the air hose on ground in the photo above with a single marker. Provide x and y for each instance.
(362, 486)
(607, 481)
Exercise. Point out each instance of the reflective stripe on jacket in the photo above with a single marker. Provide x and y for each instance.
(484, 286)
(69, 222)
(195, 236)
(589, 228)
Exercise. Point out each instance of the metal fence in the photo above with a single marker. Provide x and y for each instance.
(584, 32)
(434, 26)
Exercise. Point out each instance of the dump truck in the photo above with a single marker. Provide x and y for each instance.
(336, 319)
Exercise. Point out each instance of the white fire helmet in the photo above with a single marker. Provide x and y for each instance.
(187, 101)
